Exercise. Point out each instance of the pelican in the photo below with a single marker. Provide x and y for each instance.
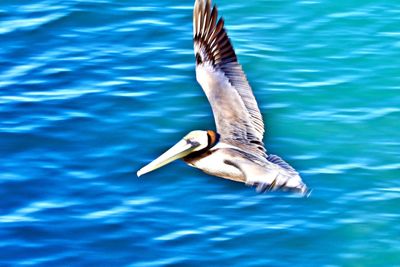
(235, 151)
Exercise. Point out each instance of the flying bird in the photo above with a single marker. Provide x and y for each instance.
(235, 150)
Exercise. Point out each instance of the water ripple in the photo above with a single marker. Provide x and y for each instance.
(177, 235)
(91, 90)
(28, 24)
(27, 214)
(352, 115)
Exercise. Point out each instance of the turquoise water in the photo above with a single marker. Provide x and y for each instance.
(92, 90)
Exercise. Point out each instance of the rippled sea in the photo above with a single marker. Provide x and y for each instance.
(91, 90)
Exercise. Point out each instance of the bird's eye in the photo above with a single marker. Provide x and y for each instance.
(192, 142)
(198, 59)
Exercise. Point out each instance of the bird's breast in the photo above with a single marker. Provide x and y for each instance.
(213, 162)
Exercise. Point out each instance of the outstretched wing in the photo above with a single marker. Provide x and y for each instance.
(237, 116)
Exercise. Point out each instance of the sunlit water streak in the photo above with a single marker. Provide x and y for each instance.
(92, 90)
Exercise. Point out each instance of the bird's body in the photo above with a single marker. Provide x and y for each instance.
(230, 162)
(236, 150)
(214, 162)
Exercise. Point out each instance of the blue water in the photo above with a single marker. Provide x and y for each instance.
(91, 90)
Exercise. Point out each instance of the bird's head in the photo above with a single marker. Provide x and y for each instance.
(194, 141)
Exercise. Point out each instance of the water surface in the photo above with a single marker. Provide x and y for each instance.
(91, 90)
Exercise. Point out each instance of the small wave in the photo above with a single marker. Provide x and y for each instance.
(334, 169)
(28, 23)
(343, 168)
(177, 235)
(148, 22)
(140, 8)
(16, 219)
(154, 78)
(27, 214)
(141, 201)
(356, 13)
(111, 83)
(389, 34)
(352, 115)
(19, 70)
(373, 195)
(169, 261)
(328, 82)
(39, 96)
(40, 7)
(133, 94)
(105, 213)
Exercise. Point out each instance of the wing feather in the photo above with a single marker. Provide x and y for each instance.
(237, 116)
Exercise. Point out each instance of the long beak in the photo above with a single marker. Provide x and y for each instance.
(180, 150)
